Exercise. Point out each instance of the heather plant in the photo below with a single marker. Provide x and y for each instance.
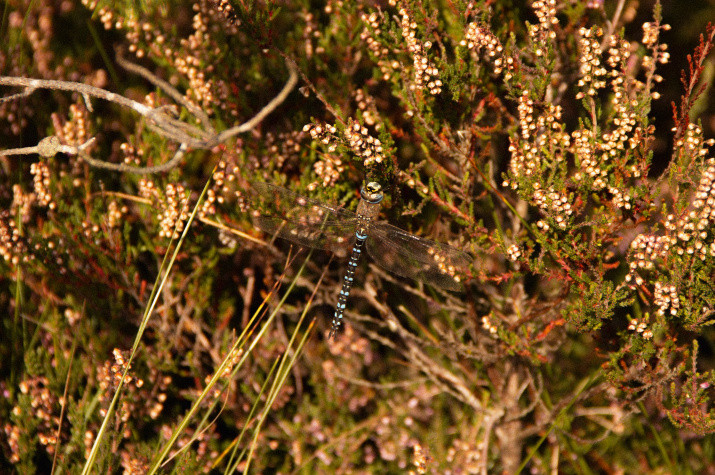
(149, 325)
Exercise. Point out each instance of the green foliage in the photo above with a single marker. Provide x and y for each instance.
(153, 324)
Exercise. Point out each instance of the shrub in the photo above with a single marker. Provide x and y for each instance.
(537, 137)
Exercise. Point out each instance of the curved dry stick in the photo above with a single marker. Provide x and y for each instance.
(187, 135)
(168, 89)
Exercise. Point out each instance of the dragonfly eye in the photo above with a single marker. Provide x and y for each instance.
(373, 187)
(372, 192)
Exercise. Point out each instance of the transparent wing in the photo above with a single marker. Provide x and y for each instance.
(411, 256)
(306, 222)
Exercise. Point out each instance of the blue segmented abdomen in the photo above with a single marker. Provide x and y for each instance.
(348, 281)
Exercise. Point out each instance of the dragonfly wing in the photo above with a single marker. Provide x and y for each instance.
(417, 258)
(277, 210)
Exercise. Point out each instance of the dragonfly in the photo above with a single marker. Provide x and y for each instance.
(306, 222)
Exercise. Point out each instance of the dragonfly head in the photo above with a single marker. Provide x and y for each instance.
(372, 192)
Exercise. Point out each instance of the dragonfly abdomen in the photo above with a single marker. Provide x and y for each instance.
(348, 281)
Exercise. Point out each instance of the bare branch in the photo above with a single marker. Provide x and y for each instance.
(158, 120)
(167, 88)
